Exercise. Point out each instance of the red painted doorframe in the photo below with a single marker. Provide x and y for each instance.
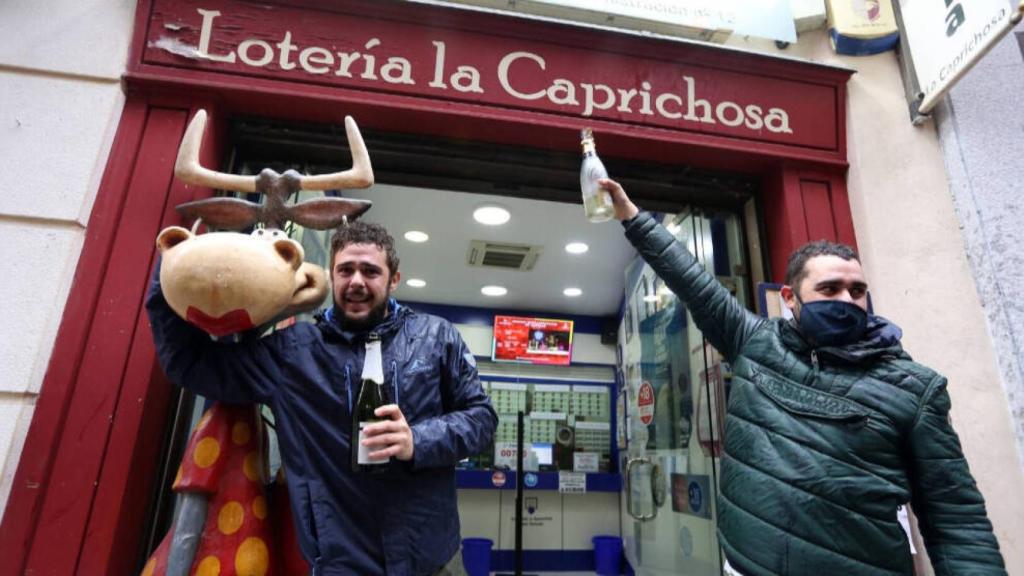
(81, 488)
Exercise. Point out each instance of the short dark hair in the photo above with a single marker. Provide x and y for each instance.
(796, 267)
(360, 232)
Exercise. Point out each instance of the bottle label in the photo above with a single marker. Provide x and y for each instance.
(363, 457)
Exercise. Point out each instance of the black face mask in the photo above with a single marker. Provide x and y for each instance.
(832, 322)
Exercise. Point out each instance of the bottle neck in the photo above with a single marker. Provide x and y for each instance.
(588, 147)
(373, 364)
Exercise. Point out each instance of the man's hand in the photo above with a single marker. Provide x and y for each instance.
(393, 437)
(624, 208)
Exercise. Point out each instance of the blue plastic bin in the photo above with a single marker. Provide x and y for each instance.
(476, 556)
(607, 555)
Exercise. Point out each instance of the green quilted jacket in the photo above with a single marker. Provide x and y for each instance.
(822, 445)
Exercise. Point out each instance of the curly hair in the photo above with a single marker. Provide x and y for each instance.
(360, 232)
(796, 267)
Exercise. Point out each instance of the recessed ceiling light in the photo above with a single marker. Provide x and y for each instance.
(416, 282)
(572, 292)
(652, 298)
(416, 236)
(494, 290)
(576, 247)
(491, 215)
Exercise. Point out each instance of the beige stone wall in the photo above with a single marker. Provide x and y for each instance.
(60, 68)
(915, 260)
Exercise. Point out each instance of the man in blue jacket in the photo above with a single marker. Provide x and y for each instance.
(404, 521)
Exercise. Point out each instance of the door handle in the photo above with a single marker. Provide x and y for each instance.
(629, 488)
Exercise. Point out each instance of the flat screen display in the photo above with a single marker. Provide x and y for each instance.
(533, 340)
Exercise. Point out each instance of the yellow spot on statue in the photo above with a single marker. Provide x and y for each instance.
(240, 433)
(252, 558)
(230, 518)
(150, 566)
(206, 452)
(210, 566)
(259, 507)
(251, 466)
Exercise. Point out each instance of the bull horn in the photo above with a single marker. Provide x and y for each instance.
(359, 176)
(187, 167)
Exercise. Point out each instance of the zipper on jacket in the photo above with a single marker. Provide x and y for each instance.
(814, 365)
(394, 378)
(348, 390)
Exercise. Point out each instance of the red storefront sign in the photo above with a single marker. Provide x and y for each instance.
(340, 50)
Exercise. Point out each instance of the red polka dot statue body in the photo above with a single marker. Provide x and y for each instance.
(225, 283)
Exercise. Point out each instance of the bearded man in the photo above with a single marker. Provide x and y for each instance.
(404, 521)
(830, 425)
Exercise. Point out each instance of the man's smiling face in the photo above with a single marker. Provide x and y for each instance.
(362, 284)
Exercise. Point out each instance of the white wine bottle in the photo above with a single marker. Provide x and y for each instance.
(372, 395)
(597, 202)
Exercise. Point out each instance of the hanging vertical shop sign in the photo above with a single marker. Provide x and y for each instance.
(946, 38)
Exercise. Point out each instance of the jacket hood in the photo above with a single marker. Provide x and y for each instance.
(329, 322)
(882, 338)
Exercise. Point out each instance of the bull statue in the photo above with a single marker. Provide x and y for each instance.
(225, 283)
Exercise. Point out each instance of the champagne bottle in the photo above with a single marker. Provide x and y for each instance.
(597, 202)
(372, 395)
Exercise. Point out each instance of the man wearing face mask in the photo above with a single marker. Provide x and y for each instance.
(403, 521)
(830, 425)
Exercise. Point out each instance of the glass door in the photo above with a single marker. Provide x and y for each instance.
(672, 406)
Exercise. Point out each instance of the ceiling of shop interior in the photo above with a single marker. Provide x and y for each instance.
(442, 261)
(433, 185)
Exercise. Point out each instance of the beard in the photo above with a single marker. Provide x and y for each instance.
(374, 317)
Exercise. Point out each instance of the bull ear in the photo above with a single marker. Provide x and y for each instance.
(171, 237)
(291, 251)
(327, 213)
(222, 213)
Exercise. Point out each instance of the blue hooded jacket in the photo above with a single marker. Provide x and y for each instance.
(402, 522)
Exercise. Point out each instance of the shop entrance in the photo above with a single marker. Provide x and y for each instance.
(632, 336)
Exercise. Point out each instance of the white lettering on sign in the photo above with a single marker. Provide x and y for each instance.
(585, 98)
(602, 97)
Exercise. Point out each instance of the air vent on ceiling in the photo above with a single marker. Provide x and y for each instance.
(502, 255)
